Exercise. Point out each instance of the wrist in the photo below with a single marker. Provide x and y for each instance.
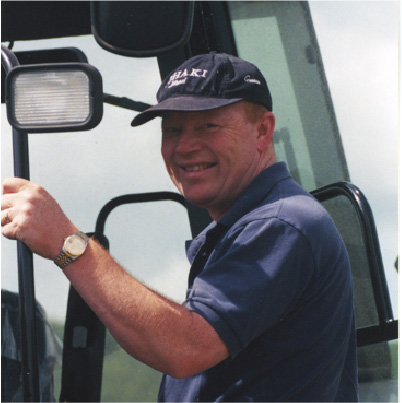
(73, 247)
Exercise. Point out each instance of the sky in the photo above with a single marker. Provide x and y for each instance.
(359, 46)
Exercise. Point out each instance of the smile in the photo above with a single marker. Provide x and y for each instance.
(199, 167)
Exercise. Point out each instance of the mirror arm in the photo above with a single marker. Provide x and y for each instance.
(125, 103)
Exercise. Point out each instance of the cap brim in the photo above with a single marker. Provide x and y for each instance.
(182, 104)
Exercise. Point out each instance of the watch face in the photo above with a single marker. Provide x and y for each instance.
(75, 245)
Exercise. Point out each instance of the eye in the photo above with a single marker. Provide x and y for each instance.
(209, 127)
(170, 130)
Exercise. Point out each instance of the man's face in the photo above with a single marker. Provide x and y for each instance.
(211, 156)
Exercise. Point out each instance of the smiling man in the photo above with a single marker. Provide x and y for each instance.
(211, 155)
(268, 314)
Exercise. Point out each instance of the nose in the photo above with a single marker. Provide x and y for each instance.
(188, 142)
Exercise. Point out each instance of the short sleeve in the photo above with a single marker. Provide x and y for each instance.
(255, 277)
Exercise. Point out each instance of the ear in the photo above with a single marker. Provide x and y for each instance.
(266, 128)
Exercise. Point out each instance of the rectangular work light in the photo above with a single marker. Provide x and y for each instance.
(54, 97)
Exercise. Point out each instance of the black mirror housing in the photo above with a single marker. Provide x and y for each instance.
(142, 28)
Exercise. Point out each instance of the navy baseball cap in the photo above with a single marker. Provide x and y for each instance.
(207, 82)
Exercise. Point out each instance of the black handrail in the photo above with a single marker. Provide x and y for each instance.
(387, 328)
(130, 199)
(26, 290)
(83, 361)
(374, 334)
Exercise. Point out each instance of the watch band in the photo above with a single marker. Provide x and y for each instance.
(63, 260)
(65, 257)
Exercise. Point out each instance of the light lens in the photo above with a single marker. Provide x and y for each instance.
(51, 98)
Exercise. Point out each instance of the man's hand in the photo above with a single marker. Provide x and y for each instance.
(31, 215)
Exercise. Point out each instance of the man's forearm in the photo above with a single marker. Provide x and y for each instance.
(151, 328)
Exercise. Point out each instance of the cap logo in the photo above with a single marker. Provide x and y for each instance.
(252, 80)
(208, 82)
(179, 77)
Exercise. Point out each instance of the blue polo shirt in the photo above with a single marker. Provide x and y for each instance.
(273, 278)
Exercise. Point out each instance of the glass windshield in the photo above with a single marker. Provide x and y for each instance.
(306, 136)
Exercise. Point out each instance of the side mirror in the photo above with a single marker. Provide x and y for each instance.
(54, 97)
(141, 28)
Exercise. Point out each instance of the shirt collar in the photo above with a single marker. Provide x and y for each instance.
(256, 192)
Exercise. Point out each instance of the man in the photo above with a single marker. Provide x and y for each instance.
(269, 308)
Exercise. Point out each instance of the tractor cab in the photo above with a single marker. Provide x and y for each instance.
(74, 75)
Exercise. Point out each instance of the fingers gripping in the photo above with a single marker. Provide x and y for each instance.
(14, 201)
(15, 185)
(31, 215)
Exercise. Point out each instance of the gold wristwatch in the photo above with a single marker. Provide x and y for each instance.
(74, 246)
